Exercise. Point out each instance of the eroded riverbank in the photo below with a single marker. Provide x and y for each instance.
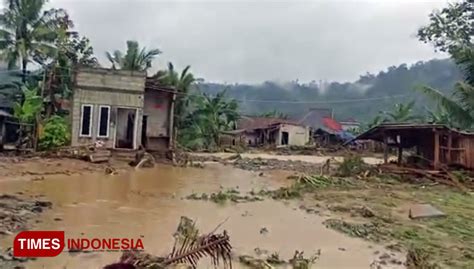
(148, 204)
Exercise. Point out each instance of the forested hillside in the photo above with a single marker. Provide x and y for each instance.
(375, 90)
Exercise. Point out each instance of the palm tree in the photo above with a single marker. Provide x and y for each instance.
(134, 59)
(441, 116)
(27, 33)
(460, 105)
(182, 82)
(211, 116)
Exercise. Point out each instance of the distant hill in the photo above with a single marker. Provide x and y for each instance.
(292, 98)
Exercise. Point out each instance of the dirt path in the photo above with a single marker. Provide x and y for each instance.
(36, 168)
(303, 158)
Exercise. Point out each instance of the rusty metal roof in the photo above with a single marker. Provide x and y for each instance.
(250, 122)
(375, 133)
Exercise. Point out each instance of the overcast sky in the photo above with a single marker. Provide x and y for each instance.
(256, 40)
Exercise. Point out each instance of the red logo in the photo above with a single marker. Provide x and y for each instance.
(52, 243)
(38, 244)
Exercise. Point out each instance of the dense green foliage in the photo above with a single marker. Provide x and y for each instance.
(28, 110)
(211, 116)
(27, 32)
(183, 83)
(452, 30)
(55, 133)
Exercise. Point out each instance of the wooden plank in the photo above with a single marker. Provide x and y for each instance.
(450, 141)
(436, 150)
(385, 148)
(400, 150)
(453, 149)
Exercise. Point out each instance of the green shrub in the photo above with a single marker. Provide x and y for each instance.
(351, 166)
(55, 133)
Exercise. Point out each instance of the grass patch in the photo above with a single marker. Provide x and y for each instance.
(448, 241)
(307, 184)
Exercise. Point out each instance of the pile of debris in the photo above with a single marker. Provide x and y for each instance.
(259, 164)
(15, 212)
(460, 179)
(189, 248)
(298, 261)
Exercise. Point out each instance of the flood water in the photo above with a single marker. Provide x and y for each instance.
(148, 204)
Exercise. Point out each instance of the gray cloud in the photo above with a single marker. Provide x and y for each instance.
(253, 41)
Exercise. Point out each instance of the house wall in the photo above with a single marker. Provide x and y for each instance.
(252, 137)
(159, 144)
(467, 157)
(346, 126)
(114, 88)
(297, 135)
(158, 110)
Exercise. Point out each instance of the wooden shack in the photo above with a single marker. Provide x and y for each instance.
(435, 143)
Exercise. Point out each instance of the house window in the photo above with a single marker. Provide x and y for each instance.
(104, 121)
(86, 120)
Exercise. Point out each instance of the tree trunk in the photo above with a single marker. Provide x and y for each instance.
(24, 63)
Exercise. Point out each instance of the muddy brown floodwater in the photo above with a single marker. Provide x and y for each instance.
(148, 204)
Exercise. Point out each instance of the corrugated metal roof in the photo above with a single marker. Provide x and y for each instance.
(249, 122)
(375, 132)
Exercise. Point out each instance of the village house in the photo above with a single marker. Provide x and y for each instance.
(122, 109)
(259, 131)
(349, 124)
(433, 144)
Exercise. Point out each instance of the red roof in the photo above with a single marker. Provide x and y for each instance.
(332, 124)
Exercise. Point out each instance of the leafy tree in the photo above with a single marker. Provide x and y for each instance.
(71, 50)
(378, 119)
(212, 116)
(55, 133)
(401, 113)
(134, 58)
(27, 111)
(450, 28)
(27, 32)
(441, 116)
(183, 83)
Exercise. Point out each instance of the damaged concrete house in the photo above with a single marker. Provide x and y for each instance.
(260, 131)
(123, 109)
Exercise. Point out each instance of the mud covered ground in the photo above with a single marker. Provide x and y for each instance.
(36, 168)
(17, 213)
(350, 222)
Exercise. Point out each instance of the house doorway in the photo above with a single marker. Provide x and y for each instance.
(125, 130)
(284, 138)
(144, 127)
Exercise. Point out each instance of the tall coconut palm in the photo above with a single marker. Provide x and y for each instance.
(182, 82)
(27, 32)
(460, 105)
(134, 59)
